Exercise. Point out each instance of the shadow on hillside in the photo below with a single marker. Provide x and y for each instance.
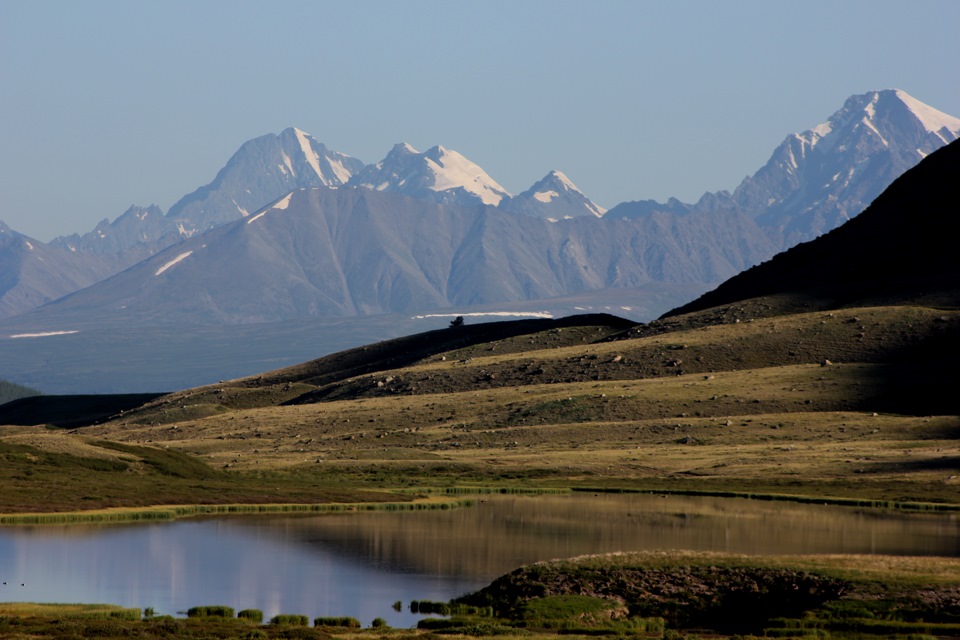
(922, 379)
(945, 463)
(70, 412)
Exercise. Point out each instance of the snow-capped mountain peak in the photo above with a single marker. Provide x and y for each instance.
(553, 197)
(262, 170)
(874, 112)
(451, 170)
(935, 121)
(817, 179)
(438, 174)
(331, 168)
(561, 178)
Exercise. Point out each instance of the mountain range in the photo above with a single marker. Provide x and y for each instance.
(290, 230)
(897, 251)
(813, 181)
(352, 251)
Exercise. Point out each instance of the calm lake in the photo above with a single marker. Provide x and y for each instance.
(359, 564)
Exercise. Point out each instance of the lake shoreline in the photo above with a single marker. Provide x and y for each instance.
(176, 512)
(655, 595)
(431, 498)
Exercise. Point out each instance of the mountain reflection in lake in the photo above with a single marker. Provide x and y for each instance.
(358, 564)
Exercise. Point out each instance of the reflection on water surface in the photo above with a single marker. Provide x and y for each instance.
(358, 564)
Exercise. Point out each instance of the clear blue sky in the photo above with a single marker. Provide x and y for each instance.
(108, 103)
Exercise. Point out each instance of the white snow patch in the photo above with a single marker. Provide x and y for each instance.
(821, 130)
(793, 158)
(29, 246)
(312, 158)
(452, 170)
(43, 334)
(243, 212)
(343, 174)
(545, 196)
(933, 120)
(283, 204)
(280, 205)
(180, 257)
(922, 154)
(596, 209)
(867, 122)
(564, 181)
(497, 314)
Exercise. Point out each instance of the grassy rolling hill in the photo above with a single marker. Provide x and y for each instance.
(819, 386)
(750, 406)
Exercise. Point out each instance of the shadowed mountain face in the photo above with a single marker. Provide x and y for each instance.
(899, 249)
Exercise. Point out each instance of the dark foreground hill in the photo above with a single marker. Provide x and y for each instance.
(901, 248)
(70, 411)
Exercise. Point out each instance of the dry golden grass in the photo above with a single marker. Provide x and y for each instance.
(926, 570)
(743, 406)
(21, 609)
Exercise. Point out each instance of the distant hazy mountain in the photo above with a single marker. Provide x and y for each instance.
(261, 171)
(818, 179)
(554, 197)
(645, 208)
(355, 251)
(438, 174)
(33, 273)
(814, 181)
(137, 234)
(900, 249)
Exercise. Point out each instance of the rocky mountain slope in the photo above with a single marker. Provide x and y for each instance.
(820, 178)
(33, 273)
(898, 249)
(554, 197)
(355, 251)
(814, 181)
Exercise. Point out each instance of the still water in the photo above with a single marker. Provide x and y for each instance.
(359, 564)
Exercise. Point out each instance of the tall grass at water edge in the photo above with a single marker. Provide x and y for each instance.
(187, 511)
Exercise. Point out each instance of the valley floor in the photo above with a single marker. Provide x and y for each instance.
(821, 405)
